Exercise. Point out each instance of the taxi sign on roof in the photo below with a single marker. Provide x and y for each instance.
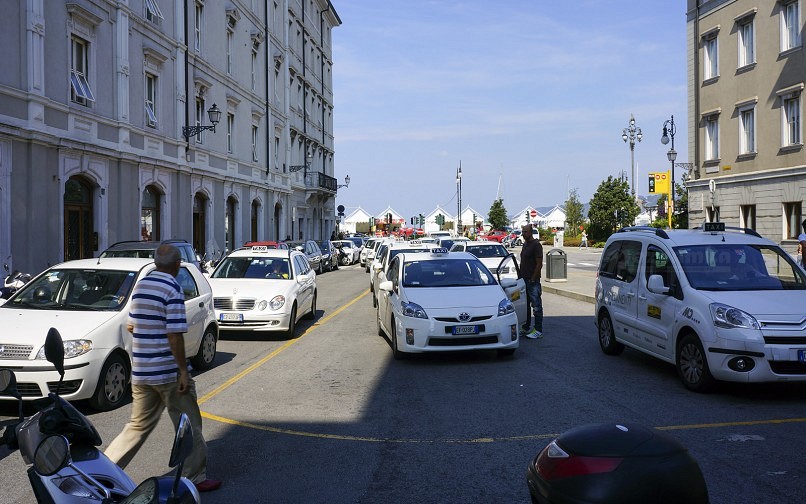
(439, 250)
(713, 226)
(260, 248)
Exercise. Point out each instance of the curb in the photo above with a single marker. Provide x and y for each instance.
(573, 295)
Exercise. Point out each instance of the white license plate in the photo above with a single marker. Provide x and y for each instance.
(231, 317)
(802, 355)
(466, 329)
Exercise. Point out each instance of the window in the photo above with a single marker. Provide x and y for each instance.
(748, 216)
(254, 70)
(153, 12)
(747, 130)
(791, 119)
(277, 152)
(790, 25)
(151, 100)
(150, 215)
(658, 263)
(747, 53)
(229, 52)
(80, 91)
(712, 214)
(197, 29)
(792, 216)
(712, 137)
(230, 128)
(254, 143)
(199, 116)
(711, 59)
(185, 279)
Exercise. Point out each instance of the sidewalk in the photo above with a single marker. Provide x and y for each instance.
(579, 285)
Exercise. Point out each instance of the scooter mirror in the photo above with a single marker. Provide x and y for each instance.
(52, 455)
(183, 442)
(54, 349)
(8, 383)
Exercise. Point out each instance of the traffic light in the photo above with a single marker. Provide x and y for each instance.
(527, 216)
(422, 220)
(651, 182)
(389, 218)
(440, 219)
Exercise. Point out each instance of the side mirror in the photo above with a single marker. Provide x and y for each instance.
(8, 384)
(655, 285)
(54, 350)
(52, 455)
(386, 286)
(183, 442)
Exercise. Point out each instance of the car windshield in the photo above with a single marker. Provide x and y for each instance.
(481, 251)
(253, 267)
(75, 289)
(143, 254)
(446, 273)
(727, 267)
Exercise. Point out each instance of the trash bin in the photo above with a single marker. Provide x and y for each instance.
(556, 266)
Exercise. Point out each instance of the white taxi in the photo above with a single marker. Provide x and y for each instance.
(719, 304)
(263, 289)
(491, 253)
(438, 301)
(88, 300)
(386, 253)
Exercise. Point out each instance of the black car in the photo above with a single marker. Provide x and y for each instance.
(147, 249)
(311, 251)
(330, 255)
(615, 464)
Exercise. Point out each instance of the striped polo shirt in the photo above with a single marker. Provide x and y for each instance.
(157, 308)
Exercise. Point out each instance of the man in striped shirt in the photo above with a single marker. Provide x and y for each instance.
(160, 377)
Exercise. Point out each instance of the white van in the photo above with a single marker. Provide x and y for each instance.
(718, 304)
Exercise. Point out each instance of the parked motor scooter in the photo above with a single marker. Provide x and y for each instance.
(67, 466)
(13, 282)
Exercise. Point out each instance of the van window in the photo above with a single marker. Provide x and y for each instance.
(620, 260)
(659, 263)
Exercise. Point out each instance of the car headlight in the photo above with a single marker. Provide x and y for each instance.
(262, 305)
(729, 317)
(277, 302)
(413, 310)
(505, 307)
(72, 348)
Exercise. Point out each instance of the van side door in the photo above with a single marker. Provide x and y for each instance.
(618, 274)
(656, 317)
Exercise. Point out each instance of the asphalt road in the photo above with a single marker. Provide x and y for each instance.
(331, 417)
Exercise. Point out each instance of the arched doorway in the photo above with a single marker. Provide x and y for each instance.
(255, 219)
(277, 211)
(150, 214)
(229, 223)
(80, 239)
(199, 223)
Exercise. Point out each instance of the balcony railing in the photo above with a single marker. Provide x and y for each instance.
(318, 181)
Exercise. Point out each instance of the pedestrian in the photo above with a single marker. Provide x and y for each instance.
(531, 268)
(584, 242)
(802, 244)
(160, 377)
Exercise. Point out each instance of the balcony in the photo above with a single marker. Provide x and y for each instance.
(317, 181)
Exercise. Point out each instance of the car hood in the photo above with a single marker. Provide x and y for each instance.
(30, 327)
(248, 288)
(782, 304)
(456, 297)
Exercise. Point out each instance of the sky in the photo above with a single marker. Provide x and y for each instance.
(530, 96)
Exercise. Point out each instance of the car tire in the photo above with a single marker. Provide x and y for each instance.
(345, 261)
(321, 268)
(692, 365)
(207, 350)
(292, 323)
(396, 353)
(374, 300)
(378, 323)
(312, 314)
(607, 336)
(113, 384)
(336, 264)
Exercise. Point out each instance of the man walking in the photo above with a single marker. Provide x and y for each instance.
(531, 268)
(160, 377)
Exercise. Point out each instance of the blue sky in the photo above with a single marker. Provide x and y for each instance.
(535, 92)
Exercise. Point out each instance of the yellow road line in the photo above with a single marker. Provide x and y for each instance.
(227, 384)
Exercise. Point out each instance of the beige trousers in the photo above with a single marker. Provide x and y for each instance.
(148, 403)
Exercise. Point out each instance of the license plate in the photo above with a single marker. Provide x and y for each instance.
(802, 355)
(231, 317)
(466, 329)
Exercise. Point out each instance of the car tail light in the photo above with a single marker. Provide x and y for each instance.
(554, 463)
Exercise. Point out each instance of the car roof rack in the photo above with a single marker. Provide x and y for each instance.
(658, 231)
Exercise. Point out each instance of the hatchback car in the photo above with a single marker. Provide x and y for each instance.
(88, 301)
(439, 301)
(312, 251)
(148, 248)
(719, 304)
(330, 255)
(262, 289)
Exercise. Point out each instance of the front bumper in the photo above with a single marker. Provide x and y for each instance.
(429, 335)
(253, 321)
(37, 378)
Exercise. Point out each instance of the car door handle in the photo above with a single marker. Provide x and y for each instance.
(201, 304)
(642, 297)
(630, 294)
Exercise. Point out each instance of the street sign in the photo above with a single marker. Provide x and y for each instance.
(533, 213)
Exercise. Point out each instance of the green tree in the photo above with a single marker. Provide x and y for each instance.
(612, 207)
(680, 217)
(498, 215)
(573, 213)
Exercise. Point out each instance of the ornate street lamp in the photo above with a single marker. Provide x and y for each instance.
(669, 130)
(632, 133)
(345, 184)
(213, 114)
(459, 203)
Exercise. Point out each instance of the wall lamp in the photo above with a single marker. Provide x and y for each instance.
(213, 113)
(345, 184)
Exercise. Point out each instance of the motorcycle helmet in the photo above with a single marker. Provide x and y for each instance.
(42, 294)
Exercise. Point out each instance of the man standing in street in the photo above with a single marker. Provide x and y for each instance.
(160, 377)
(531, 268)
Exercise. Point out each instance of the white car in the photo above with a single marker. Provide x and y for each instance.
(369, 246)
(491, 253)
(351, 253)
(386, 253)
(718, 304)
(88, 301)
(263, 289)
(440, 301)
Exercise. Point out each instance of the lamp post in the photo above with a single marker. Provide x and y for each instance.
(459, 204)
(345, 184)
(632, 133)
(213, 114)
(669, 130)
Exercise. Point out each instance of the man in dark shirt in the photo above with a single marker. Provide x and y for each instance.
(531, 268)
